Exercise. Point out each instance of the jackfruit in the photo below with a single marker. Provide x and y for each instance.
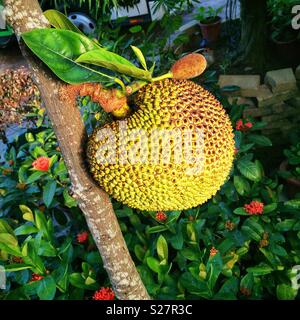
(174, 152)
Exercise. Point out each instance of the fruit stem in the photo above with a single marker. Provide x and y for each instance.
(120, 82)
(164, 76)
(134, 87)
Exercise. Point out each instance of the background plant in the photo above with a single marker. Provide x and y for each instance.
(216, 251)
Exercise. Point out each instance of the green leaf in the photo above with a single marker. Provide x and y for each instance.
(78, 281)
(112, 61)
(70, 202)
(260, 270)
(41, 222)
(195, 286)
(153, 264)
(162, 248)
(140, 56)
(260, 140)
(241, 184)
(228, 290)
(47, 288)
(294, 204)
(241, 211)
(25, 229)
(135, 29)
(139, 252)
(251, 233)
(59, 48)
(249, 170)
(214, 268)
(49, 192)
(46, 249)
(5, 227)
(60, 21)
(285, 292)
(35, 176)
(270, 208)
(16, 267)
(247, 281)
(285, 225)
(8, 239)
(156, 229)
(27, 213)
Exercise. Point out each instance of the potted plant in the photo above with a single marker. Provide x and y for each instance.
(282, 34)
(210, 22)
(6, 32)
(290, 169)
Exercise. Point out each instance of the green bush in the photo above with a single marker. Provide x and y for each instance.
(220, 250)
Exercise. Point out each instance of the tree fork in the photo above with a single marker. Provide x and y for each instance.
(26, 15)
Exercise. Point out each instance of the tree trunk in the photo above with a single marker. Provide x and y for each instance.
(25, 15)
(253, 33)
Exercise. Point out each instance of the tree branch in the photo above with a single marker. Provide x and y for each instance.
(70, 132)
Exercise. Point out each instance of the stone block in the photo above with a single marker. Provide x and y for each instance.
(295, 102)
(281, 80)
(241, 100)
(257, 112)
(278, 124)
(248, 84)
(267, 98)
(297, 73)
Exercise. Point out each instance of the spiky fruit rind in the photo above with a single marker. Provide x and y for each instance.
(168, 104)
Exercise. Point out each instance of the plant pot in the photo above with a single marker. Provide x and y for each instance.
(287, 50)
(211, 31)
(292, 184)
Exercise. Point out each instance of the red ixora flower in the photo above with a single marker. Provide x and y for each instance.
(82, 237)
(36, 277)
(41, 163)
(241, 126)
(254, 207)
(213, 251)
(161, 216)
(104, 294)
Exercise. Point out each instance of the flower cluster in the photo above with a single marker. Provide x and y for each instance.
(41, 163)
(242, 125)
(161, 216)
(36, 277)
(213, 251)
(254, 207)
(82, 237)
(104, 294)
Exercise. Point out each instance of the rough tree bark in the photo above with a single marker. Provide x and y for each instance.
(25, 15)
(253, 33)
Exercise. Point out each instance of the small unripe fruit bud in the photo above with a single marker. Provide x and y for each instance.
(190, 66)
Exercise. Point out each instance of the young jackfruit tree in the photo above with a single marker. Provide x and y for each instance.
(171, 145)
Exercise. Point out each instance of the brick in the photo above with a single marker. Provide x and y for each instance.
(257, 112)
(265, 99)
(297, 73)
(241, 100)
(295, 102)
(285, 109)
(249, 84)
(281, 80)
(279, 124)
(274, 117)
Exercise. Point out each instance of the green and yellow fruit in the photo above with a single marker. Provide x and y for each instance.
(162, 180)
